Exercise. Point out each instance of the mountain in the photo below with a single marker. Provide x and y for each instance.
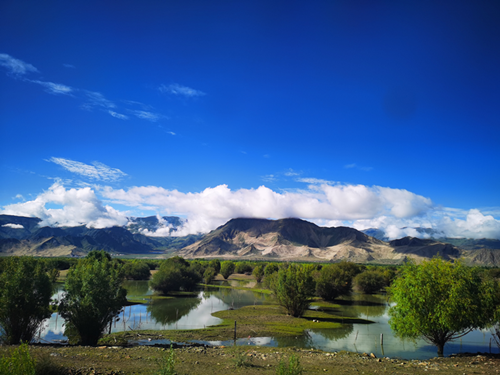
(289, 239)
(295, 239)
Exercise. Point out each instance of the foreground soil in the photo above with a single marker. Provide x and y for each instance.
(247, 360)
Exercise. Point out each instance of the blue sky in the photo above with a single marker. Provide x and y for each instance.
(370, 114)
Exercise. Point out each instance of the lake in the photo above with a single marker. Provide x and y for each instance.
(195, 312)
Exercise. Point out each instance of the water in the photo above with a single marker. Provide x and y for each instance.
(195, 313)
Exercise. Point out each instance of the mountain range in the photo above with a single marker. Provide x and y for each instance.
(284, 239)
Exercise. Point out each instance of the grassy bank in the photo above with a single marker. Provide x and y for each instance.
(245, 360)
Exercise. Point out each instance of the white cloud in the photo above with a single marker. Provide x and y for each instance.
(14, 226)
(96, 99)
(54, 88)
(314, 181)
(97, 171)
(395, 211)
(79, 206)
(118, 115)
(214, 206)
(176, 89)
(69, 66)
(361, 168)
(16, 66)
(146, 115)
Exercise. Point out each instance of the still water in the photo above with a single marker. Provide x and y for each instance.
(195, 312)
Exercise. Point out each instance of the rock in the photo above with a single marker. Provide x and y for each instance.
(373, 355)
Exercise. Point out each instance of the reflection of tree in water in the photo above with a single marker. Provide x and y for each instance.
(335, 333)
(170, 311)
(235, 297)
(363, 304)
(136, 288)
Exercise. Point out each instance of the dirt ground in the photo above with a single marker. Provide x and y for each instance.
(248, 360)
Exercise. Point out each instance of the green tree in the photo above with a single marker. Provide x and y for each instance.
(215, 264)
(25, 291)
(440, 301)
(258, 272)
(209, 275)
(294, 289)
(136, 270)
(370, 281)
(94, 296)
(176, 274)
(333, 281)
(227, 269)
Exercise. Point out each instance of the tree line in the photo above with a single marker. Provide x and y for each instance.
(437, 300)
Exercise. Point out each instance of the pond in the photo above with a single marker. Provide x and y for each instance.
(195, 312)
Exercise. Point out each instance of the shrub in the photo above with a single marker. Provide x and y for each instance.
(293, 367)
(333, 281)
(175, 274)
(370, 281)
(167, 363)
(209, 275)
(19, 362)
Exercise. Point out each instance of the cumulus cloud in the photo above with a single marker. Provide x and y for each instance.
(78, 207)
(176, 89)
(96, 171)
(15, 66)
(14, 226)
(214, 206)
(54, 88)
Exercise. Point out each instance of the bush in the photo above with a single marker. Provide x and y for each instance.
(25, 292)
(167, 363)
(94, 297)
(227, 269)
(292, 368)
(242, 267)
(333, 281)
(136, 270)
(19, 362)
(294, 289)
(175, 274)
(370, 281)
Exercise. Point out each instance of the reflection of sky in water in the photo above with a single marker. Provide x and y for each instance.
(195, 313)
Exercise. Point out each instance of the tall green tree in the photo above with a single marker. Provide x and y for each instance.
(258, 272)
(370, 281)
(440, 301)
(25, 292)
(94, 296)
(294, 288)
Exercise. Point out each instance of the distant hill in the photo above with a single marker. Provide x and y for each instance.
(247, 238)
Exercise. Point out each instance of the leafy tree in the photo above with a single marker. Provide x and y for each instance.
(94, 296)
(294, 288)
(215, 264)
(370, 281)
(258, 272)
(440, 301)
(242, 267)
(136, 270)
(270, 269)
(209, 275)
(25, 291)
(98, 255)
(333, 281)
(227, 269)
(175, 274)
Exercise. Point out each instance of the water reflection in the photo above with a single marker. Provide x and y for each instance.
(196, 312)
